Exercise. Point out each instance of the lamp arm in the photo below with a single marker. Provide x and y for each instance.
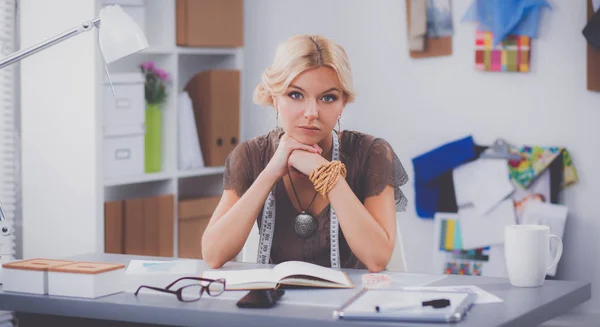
(21, 54)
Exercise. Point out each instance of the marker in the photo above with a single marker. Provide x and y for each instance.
(438, 303)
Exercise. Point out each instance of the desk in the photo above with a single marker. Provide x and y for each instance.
(521, 306)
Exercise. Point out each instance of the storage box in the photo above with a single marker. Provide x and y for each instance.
(127, 106)
(158, 273)
(86, 279)
(29, 276)
(194, 215)
(123, 150)
(134, 8)
(215, 97)
(210, 23)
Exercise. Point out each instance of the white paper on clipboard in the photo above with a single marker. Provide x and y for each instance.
(362, 306)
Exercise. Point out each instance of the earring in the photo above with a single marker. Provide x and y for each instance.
(339, 125)
(277, 120)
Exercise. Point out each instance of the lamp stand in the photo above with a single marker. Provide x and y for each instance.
(21, 54)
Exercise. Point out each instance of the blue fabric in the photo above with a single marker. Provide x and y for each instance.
(505, 17)
(433, 164)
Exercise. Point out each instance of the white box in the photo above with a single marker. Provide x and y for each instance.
(29, 276)
(127, 106)
(123, 150)
(134, 8)
(86, 279)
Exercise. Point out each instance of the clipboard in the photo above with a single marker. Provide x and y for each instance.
(362, 306)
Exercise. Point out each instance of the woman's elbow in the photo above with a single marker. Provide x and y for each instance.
(377, 266)
(380, 262)
(210, 255)
(211, 258)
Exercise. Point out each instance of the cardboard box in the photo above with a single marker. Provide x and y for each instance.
(86, 279)
(215, 97)
(194, 215)
(148, 225)
(28, 276)
(210, 23)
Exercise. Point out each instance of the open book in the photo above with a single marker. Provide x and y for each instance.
(296, 273)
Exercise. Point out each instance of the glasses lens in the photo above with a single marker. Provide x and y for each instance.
(191, 292)
(216, 288)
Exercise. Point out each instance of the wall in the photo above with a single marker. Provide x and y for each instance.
(419, 104)
(58, 97)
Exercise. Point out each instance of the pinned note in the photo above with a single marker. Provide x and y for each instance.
(484, 230)
(483, 183)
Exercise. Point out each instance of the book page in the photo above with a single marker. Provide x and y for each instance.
(241, 277)
(295, 268)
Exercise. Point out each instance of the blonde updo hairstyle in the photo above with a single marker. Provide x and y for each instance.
(298, 54)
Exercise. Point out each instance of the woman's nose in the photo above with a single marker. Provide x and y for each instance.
(311, 112)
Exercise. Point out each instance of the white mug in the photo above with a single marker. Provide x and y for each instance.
(527, 254)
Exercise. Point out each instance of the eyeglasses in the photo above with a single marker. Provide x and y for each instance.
(192, 292)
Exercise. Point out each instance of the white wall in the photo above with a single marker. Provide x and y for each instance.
(60, 184)
(399, 98)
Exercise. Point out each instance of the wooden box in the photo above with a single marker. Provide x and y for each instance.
(210, 23)
(215, 97)
(194, 215)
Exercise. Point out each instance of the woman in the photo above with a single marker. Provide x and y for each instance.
(319, 195)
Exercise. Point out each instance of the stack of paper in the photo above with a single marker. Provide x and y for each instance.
(158, 273)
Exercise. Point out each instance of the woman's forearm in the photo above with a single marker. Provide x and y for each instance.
(367, 239)
(224, 239)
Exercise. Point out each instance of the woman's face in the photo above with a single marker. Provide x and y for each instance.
(311, 105)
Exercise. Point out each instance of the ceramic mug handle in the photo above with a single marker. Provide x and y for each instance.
(559, 251)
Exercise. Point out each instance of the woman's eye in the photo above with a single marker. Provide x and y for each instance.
(295, 95)
(329, 98)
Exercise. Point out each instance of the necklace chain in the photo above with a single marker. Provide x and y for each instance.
(298, 199)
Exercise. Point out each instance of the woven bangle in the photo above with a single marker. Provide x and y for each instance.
(325, 177)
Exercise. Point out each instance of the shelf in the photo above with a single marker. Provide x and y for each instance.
(125, 180)
(190, 50)
(205, 171)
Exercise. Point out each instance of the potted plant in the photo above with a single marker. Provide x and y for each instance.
(155, 90)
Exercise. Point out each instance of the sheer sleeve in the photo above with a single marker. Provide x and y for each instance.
(238, 170)
(384, 168)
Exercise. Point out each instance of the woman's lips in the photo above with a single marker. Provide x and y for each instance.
(309, 130)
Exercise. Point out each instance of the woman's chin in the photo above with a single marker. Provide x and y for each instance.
(307, 139)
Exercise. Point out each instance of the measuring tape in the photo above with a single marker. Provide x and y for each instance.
(268, 222)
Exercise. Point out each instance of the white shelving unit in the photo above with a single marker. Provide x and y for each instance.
(181, 63)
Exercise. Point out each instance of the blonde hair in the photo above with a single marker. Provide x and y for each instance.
(300, 53)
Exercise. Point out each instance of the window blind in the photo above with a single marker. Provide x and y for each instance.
(9, 177)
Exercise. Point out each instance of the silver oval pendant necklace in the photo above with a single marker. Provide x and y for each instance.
(305, 225)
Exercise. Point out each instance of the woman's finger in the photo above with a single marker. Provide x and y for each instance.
(302, 146)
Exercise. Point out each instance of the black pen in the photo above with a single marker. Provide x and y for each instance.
(438, 303)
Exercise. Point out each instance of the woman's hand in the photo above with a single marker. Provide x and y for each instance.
(305, 162)
(279, 163)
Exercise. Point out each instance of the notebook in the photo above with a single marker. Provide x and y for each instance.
(363, 306)
(294, 273)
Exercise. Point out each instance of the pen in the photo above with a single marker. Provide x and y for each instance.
(438, 303)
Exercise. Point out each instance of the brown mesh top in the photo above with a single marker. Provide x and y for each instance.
(371, 165)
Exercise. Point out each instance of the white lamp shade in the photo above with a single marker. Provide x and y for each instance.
(119, 35)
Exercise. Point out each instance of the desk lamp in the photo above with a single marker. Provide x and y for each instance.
(118, 36)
